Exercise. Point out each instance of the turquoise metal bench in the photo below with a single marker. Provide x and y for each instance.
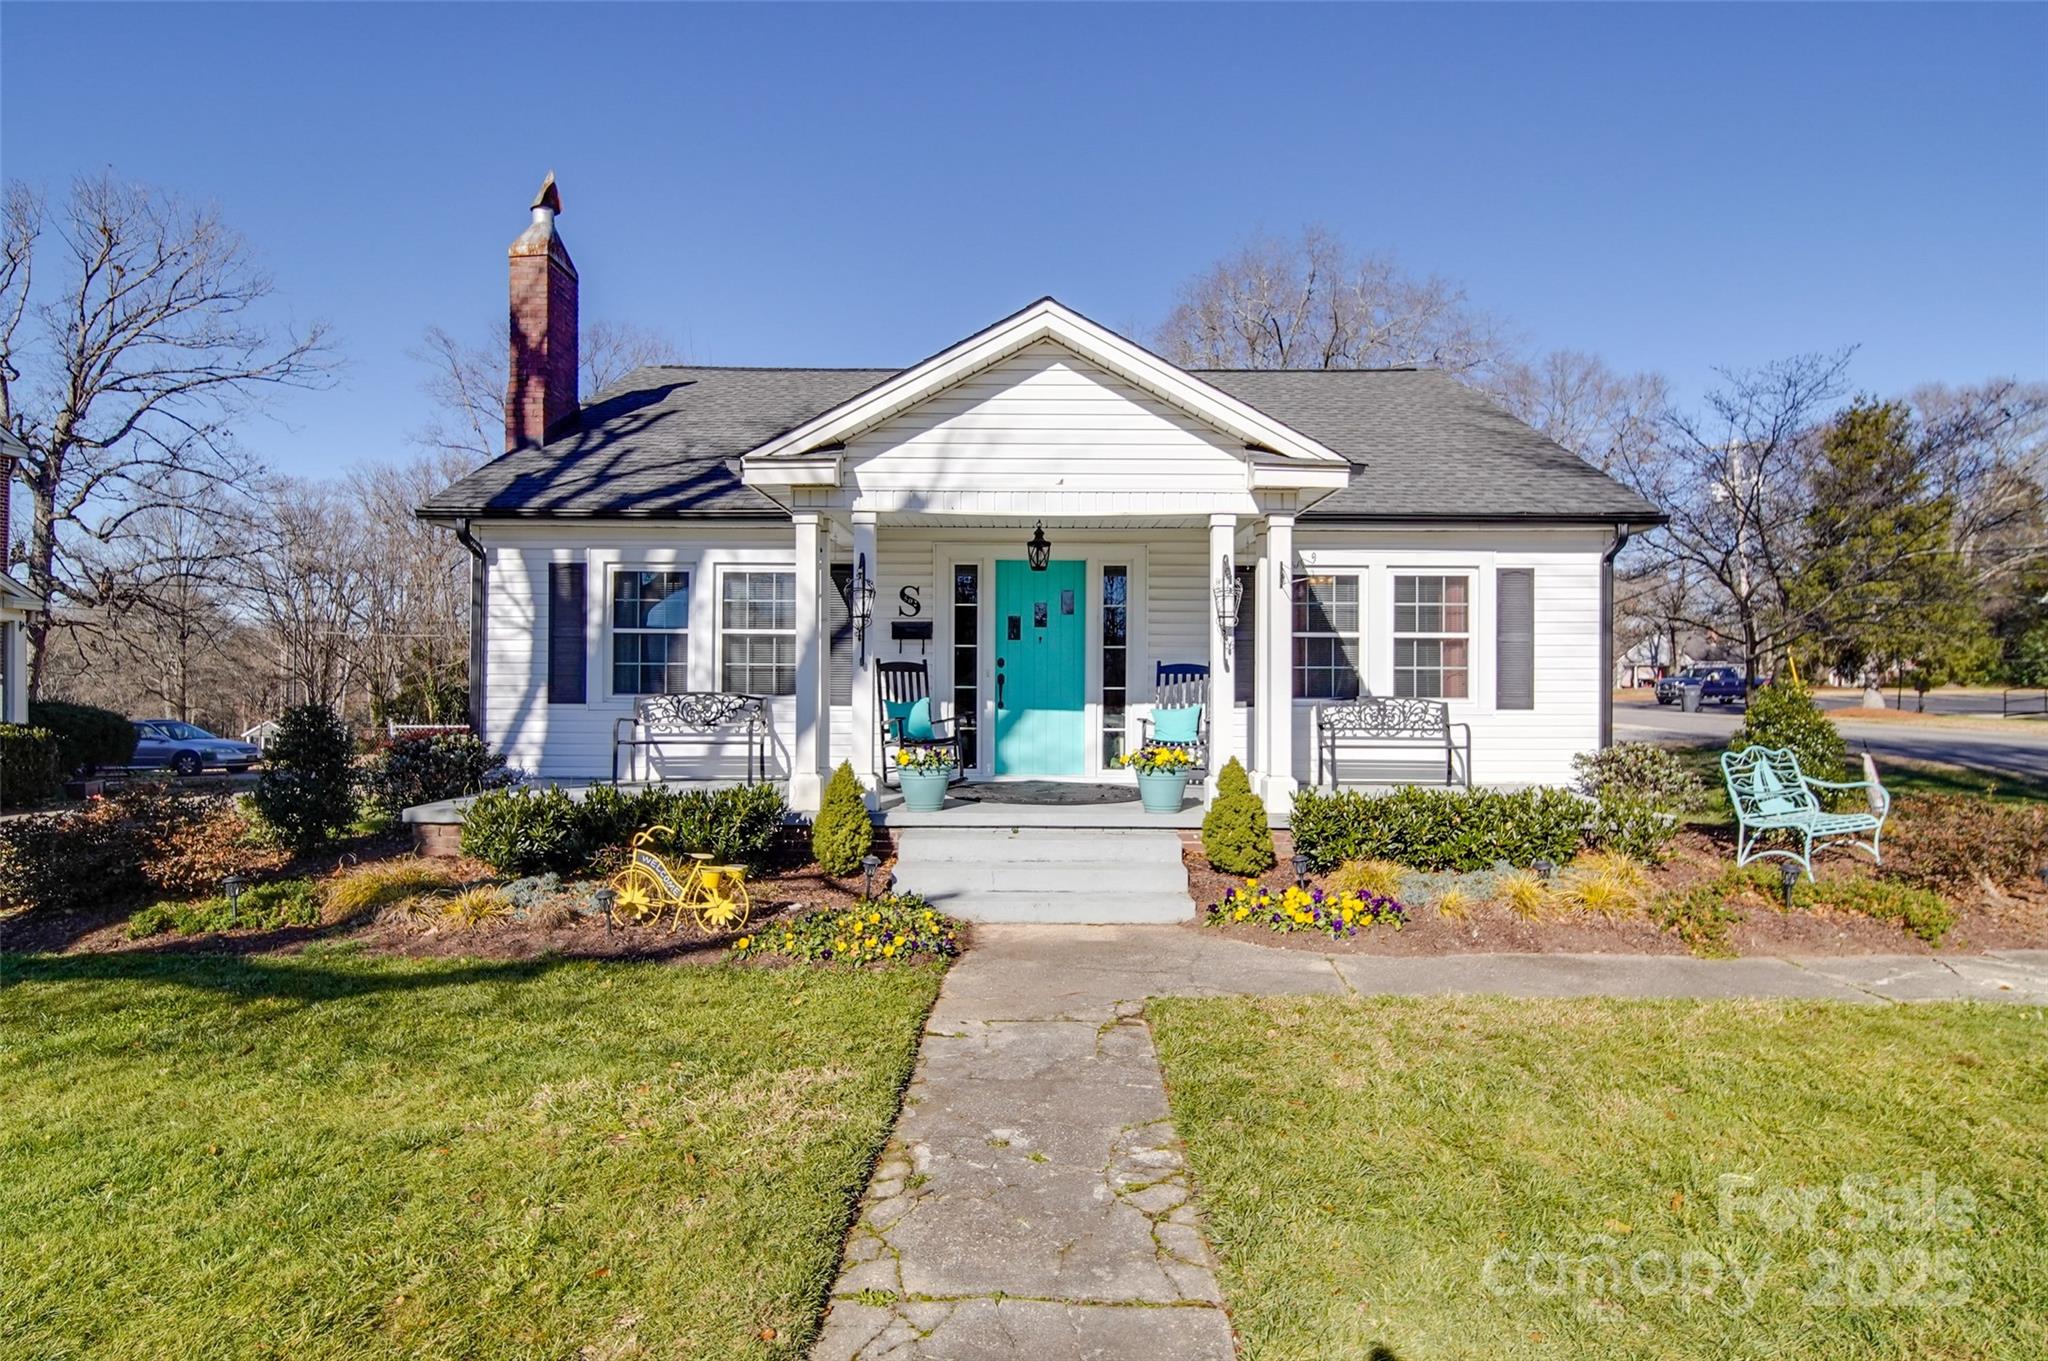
(1771, 794)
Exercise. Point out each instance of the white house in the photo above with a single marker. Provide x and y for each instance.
(17, 602)
(708, 529)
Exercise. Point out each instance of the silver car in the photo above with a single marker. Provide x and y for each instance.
(187, 749)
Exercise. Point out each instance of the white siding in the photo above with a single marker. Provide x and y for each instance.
(574, 741)
(1048, 424)
(1170, 623)
(1528, 746)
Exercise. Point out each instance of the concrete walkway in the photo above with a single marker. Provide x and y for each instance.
(1033, 1202)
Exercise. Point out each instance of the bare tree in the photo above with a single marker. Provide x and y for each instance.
(1314, 303)
(415, 631)
(466, 382)
(164, 594)
(309, 588)
(1607, 418)
(1733, 478)
(149, 347)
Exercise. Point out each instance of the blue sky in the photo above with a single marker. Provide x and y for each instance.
(1672, 187)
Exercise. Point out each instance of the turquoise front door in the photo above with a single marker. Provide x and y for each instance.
(1041, 628)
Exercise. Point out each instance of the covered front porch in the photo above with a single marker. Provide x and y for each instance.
(1041, 639)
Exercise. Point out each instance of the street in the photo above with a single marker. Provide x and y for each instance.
(2016, 746)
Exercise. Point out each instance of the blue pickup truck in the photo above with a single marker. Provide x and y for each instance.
(1722, 683)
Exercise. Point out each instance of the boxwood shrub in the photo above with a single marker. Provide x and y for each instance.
(88, 737)
(525, 831)
(1439, 829)
(28, 765)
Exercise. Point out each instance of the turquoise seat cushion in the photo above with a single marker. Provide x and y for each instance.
(1177, 726)
(911, 722)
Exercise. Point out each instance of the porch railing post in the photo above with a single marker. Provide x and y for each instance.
(1222, 662)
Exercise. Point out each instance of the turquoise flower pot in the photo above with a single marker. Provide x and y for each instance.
(924, 791)
(1162, 791)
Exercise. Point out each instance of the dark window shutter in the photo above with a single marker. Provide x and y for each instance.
(839, 615)
(1515, 639)
(566, 657)
(1244, 638)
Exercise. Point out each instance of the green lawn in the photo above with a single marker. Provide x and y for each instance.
(335, 1156)
(1396, 1178)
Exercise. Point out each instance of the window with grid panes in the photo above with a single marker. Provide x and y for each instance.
(1116, 648)
(757, 632)
(1432, 636)
(967, 658)
(1326, 637)
(650, 632)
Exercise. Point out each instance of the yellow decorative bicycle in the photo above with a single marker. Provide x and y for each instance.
(715, 894)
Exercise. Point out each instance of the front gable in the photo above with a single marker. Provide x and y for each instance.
(1048, 405)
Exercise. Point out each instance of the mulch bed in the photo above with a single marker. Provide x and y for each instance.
(2016, 919)
(781, 893)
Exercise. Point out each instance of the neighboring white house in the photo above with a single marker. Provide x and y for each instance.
(17, 602)
(1393, 532)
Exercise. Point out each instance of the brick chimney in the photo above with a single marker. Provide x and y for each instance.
(540, 393)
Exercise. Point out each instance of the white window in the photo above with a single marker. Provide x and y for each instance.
(757, 630)
(1326, 637)
(1432, 636)
(650, 632)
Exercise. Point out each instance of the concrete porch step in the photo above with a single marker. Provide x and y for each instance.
(1017, 845)
(1045, 874)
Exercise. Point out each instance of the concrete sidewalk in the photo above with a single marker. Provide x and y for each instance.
(1060, 970)
(1033, 1201)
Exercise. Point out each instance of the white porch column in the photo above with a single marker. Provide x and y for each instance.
(1222, 662)
(862, 738)
(813, 715)
(1276, 641)
(14, 703)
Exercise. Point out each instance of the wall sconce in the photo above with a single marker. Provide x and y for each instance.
(860, 604)
(1038, 550)
(1229, 593)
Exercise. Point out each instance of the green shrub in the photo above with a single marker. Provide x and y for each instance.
(88, 737)
(1439, 829)
(525, 831)
(1634, 827)
(306, 793)
(612, 815)
(844, 832)
(739, 825)
(1956, 840)
(1783, 714)
(1640, 772)
(891, 929)
(281, 902)
(428, 767)
(28, 766)
(1235, 836)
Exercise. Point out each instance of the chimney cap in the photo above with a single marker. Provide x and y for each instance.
(549, 196)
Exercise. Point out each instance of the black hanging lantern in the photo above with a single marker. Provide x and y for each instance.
(1229, 591)
(861, 604)
(1038, 551)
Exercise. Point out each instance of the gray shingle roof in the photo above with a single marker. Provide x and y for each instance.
(666, 441)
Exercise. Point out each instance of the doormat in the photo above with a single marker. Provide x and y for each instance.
(1044, 792)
